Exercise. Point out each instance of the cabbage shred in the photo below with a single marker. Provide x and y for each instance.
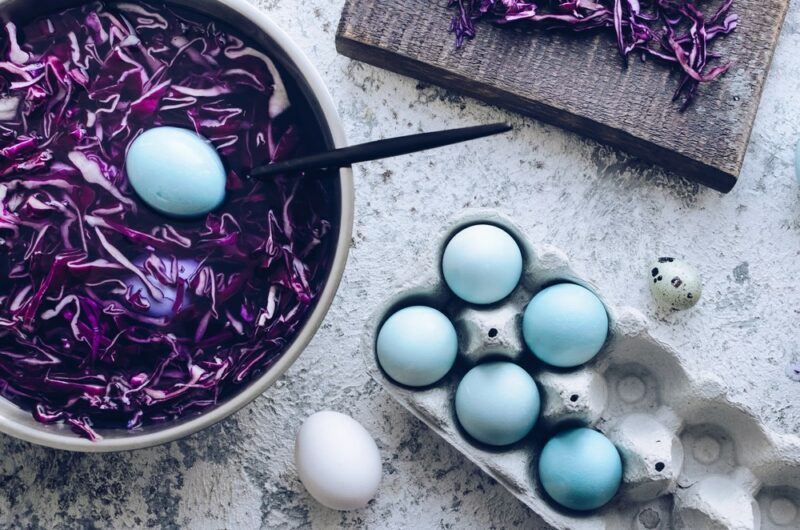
(672, 31)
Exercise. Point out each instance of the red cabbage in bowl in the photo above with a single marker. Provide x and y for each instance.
(112, 316)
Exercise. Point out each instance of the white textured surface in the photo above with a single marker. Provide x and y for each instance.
(611, 214)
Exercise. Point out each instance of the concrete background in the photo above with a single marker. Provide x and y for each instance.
(611, 214)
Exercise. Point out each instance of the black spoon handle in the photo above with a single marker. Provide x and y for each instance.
(388, 148)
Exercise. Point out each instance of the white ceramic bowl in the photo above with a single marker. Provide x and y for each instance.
(248, 20)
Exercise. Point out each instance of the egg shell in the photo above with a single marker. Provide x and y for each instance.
(565, 325)
(580, 469)
(176, 171)
(675, 284)
(482, 264)
(497, 403)
(417, 346)
(337, 460)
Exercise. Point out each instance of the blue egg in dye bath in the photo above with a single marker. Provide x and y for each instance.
(497, 403)
(417, 346)
(580, 469)
(565, 325)
(165, 306)
(176, 171)
(482, 264)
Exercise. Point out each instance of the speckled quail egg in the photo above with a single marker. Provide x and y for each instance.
(675, 284)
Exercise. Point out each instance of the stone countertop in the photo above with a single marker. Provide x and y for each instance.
(610, 213)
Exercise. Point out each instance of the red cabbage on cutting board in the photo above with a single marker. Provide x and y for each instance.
(579, 81)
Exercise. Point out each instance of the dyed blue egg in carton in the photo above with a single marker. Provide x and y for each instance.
(691, 457)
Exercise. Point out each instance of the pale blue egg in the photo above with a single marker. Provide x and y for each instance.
(482, 264)
(565, 325)
(497, 403)
(176, 171)
(580, 469)
(797, 162)
(417, 346)
(165, 305)
(158, 308)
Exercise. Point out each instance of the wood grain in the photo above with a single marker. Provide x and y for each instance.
(578, 82)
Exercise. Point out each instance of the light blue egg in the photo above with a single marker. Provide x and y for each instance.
(497, 403)
(176, 171)
(565, 325)
(580, 469)
(165, 305)
(797, 162)
(156, 308)
(417, 346)
(482, 264)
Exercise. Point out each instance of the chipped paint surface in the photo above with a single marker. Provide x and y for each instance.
(612, 214)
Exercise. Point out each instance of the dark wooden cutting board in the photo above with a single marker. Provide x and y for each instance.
(578, 82)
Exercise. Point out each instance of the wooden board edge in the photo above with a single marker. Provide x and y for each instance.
(762, 81)
(697, 170)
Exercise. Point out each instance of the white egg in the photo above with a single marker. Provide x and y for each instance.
(337, 460)
(675, 284)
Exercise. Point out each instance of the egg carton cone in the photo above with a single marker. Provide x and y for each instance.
(692, 459)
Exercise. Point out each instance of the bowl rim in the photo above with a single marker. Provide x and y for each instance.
(67, 440)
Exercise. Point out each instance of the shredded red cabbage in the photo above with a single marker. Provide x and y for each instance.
(111, 315)
(672, 31)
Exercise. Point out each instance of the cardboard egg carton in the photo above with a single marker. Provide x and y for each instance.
(691, 458)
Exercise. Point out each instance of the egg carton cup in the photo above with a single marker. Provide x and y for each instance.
(691, 457)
